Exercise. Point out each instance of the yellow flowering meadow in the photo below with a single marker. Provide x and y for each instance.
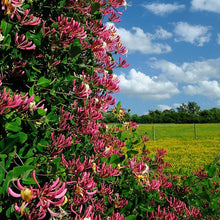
(185, 150)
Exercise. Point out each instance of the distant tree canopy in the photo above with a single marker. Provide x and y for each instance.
(191, 108)
(186, 113)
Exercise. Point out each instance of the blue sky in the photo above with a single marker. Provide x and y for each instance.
(173, 52)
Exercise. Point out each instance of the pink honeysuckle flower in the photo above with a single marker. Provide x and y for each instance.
(11, 6)
(82, 91)
(154, 185)
(119, 202)
(47, 31)
(59, 144)
(161, 214)
(71, 28)
(16, 101)
(122, 63)
(164, 180)
(89, 213)
(75, 166)
(175, 203)
(23, 44)
(85, 184)
(28, 21)
(99, 205)
(138, 167)
(112, 14)
(193, 212)
(116, 216)
(106, 171)
(43, 197)
(17, 69)
(65, 117)
(106, 190)
(27, 194)
(131, 125)
(200, 173)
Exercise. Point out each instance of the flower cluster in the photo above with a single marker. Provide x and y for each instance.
(50, 194)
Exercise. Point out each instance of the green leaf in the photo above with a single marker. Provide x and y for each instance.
(6, 42)
(212, 171)
(95, 7)
(36, 38)
(75, 48)
(131, 217)
(62, 3)
(217, 159)
(31, 91)
(29, 181)
(6, 27)
(41, 145)
(2, 144)
(114, 159)
(55, 165)
(35, 69)
(118, 107)
(51, 117)
(41, 112)
(14, 126)
(131, 152)
(43, 82)
(21, 136)
(2, 171)
(19, 171)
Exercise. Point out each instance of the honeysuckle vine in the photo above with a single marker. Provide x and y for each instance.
(58, 159)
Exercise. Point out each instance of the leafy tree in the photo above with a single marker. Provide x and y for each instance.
(193, 108)
(182, 108)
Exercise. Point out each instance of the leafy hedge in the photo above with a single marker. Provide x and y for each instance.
(58, 160)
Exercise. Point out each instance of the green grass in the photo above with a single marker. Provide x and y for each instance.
(181, 131)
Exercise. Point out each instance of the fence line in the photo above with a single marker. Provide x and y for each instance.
(154, 132)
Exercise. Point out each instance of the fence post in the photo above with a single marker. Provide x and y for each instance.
(195, 131)
(153, 128)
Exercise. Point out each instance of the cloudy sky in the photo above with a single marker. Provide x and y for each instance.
(173, 52)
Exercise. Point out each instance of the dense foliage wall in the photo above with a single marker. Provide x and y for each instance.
(58, 160)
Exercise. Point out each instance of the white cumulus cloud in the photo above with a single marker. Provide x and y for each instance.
(207, 88)
(164, 107)
(138, 84)
(162, 34)
(162, 8)
(138, 40)
(206, 5)
(194, 34)
(189, 72)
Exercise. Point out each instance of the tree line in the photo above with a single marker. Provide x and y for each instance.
(186, 113)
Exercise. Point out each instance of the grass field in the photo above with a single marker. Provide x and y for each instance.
(186, 150)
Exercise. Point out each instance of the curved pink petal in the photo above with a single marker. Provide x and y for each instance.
(52, 213)
(57, 203)
(91, 193)
(12, 193)
(34, 177)
(61, 194)
(55, 182)
(59, 190)
(17, 208)
(20, 186)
